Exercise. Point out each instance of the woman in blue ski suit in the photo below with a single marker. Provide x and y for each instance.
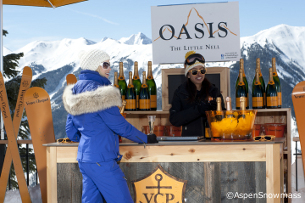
(94, 121)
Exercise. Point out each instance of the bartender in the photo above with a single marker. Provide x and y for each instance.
(194, 97)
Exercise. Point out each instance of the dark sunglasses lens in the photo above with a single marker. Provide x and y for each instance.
(106, 65)
(194, 72)
(257, 138)
(268, 138)
(202, 71)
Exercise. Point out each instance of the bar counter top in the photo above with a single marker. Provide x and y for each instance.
(162, 143)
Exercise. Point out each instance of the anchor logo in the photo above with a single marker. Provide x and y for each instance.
(159, 186)
(36, 95)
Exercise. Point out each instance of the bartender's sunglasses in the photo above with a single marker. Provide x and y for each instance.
(264, 138)
(195, 72)
(193, 58)
(105, 65)
(64, 140)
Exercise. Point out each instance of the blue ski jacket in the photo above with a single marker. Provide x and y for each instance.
(94, 119)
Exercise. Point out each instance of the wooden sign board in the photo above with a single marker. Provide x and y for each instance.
(159, 186)
(174, 77)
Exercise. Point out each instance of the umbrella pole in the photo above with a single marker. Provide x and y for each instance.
(1, 60)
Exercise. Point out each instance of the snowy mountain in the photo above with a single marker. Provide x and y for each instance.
(139, 39)
(55, 59)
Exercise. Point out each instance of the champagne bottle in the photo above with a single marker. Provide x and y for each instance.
(137, 83)
(241, 65)
(130, 96)
(219, 112)
(261, 79)
(115, 80)
(122, 82)
(241, 114)
(144, 99)
(257, 93)
(277, 82)
(152, 88)
(229, 112)
(271, 93)
(240, 90)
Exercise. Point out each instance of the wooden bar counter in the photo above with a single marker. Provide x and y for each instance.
(212, 169)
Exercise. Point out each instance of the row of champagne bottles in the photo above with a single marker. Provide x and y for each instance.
(138, 96)
(262, 97)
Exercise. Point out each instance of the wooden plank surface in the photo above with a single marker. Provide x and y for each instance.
(66, 154)
(209, 181)
(194, 153)
(51, 174)
(69, 183)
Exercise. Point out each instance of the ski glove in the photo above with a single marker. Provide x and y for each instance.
(152, 138)
(206, 106)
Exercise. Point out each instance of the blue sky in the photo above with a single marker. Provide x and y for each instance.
(96, 19)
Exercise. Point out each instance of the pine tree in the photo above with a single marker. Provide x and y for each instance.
(10, 63)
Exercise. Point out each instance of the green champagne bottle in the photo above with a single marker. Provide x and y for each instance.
(144, 99)
(240, 90)
(241, 65)
(115, 80)
(122, 82)
(130, 96)
(277, 82)
(271, 92)
(261, 79)
(137, 83)
(257, 93)
(241, 113)
(152, 88)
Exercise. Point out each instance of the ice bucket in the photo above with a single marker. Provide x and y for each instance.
(231, 125)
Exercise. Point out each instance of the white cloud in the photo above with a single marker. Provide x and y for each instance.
(94, 16)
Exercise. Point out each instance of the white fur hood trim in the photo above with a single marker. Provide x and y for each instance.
(102, 98)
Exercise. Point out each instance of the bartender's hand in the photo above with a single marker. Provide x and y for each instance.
(152, 138)
(205, 106)
(213, 104)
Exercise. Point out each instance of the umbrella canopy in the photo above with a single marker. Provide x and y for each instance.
(42, 3)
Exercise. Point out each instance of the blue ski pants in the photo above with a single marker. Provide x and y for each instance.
(104, 180)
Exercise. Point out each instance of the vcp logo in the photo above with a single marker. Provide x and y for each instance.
(159, 187)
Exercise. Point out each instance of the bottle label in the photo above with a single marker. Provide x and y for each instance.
(238, 102)
(130, 86)
(153, 101)
(149, 77)
(137, 102)
(257, 101)
(144, 104)
(279, 98)
(123, 97)
(135, 77)
(272, 101)
(130, 104)
(121, 78)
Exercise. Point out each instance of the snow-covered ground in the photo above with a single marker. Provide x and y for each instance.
(13, 196)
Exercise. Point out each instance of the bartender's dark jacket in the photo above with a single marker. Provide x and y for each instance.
(186, 114)
(95, 122)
